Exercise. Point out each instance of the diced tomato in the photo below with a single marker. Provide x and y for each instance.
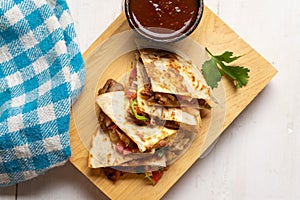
(156, 175)
(131, 95)
(138, 111)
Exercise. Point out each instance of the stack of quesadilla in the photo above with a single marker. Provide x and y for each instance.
(150, 122)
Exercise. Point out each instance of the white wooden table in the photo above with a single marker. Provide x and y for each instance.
(258, 156)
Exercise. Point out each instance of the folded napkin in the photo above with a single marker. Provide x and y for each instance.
(41, 74)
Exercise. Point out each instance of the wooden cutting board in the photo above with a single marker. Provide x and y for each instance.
(213, 33)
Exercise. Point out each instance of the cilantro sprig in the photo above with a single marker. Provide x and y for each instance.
(217, 66)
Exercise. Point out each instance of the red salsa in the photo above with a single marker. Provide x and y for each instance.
(163, 18)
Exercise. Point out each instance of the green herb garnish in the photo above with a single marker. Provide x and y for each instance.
(216, 67)
(149, 178)
(137, 116)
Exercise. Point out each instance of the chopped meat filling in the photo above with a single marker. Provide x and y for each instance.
(169, 100)
(111, 86)
(111, 173)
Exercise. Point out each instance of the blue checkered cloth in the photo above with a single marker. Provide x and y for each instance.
(41, 75)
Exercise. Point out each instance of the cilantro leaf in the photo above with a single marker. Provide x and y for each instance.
(227, 56)
(238, 74)
(211, 73)
(216, 67)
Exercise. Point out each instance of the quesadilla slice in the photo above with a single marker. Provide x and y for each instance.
(174, 81)
(115, 106)
(105, 153)
(185, 115)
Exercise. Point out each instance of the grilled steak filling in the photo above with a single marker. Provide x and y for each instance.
(169, 100)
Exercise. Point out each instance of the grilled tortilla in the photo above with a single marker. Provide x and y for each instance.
(104, 154)
(186, 115)
(115, 106)
(170, 75)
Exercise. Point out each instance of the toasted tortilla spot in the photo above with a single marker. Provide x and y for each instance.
(108, 157)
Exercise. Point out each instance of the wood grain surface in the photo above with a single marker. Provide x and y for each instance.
(218, 37)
